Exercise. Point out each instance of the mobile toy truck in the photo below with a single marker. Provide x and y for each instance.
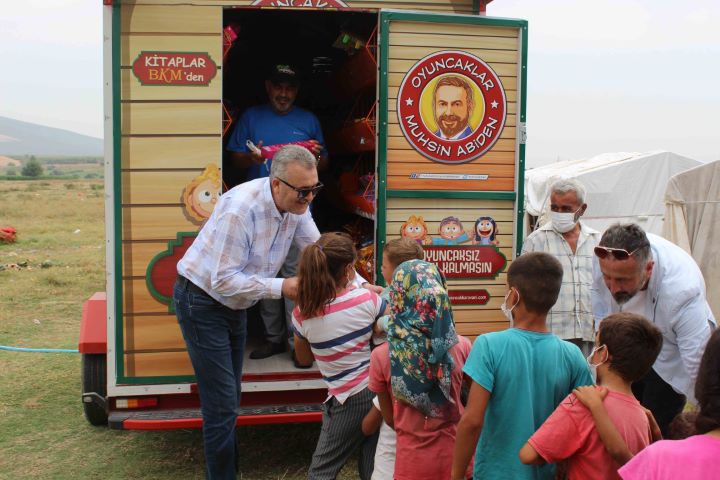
(422, 103)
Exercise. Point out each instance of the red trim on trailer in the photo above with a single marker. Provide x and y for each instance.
(271, 419)
(93, 325)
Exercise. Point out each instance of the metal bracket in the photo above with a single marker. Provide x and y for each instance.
(97, 399)
(522, 133)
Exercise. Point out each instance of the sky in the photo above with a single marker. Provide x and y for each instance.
(603, 76)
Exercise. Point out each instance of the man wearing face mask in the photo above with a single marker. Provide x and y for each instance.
(647, 275)
(570, 241)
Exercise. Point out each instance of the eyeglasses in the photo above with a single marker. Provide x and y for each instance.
(304, 192)
(617, 253)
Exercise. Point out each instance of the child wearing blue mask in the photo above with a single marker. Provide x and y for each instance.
(626, 346)
(518, 376)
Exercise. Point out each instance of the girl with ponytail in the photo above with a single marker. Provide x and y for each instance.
(333, 323)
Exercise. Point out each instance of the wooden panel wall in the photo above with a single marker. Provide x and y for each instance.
(447, 6)
(169, 136)
(470, 320)
(498, 47)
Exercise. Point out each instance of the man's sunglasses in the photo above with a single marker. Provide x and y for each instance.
(617, 253)
(304, 192)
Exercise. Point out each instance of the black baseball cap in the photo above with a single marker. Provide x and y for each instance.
(284, 73)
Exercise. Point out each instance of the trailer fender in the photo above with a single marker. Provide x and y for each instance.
(93, 325)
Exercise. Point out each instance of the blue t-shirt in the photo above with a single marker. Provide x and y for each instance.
(527, 374)
(262, 123)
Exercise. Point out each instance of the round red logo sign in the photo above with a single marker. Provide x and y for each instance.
(451, 107)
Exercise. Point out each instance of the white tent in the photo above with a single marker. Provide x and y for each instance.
(621, 187)
(692, 221)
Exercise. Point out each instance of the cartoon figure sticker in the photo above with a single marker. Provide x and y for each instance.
(201, 194)
(457, 253)
(451, 232)
(485, 232)
(451, 107)
(415, 229)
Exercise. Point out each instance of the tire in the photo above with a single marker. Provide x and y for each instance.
(94, 379)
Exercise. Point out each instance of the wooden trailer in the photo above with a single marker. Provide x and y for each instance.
(422, 103)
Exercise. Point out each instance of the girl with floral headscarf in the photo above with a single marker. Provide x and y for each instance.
(418, 373)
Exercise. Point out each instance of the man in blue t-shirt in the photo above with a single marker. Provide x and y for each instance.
(519, 376)
(277, 122)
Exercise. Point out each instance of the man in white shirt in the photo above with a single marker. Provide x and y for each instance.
(650, 276)
(570, 241)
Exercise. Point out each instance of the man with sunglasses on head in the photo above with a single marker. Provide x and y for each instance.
(230, 266)
(279, 121)
(570, 241)
(650, 276)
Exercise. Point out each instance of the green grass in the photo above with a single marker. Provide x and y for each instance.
(43, 433)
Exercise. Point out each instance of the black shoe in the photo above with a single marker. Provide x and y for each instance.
(297, 363)
(268, 349)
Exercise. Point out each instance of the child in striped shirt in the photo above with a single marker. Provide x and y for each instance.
(333, 324)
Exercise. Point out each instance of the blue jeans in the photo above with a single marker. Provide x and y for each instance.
(215, 338)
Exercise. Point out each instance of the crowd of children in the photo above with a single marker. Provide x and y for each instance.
(396, 369)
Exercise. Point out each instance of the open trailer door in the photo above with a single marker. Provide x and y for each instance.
(451, 148)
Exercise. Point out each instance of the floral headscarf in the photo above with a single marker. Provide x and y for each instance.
(421, 333)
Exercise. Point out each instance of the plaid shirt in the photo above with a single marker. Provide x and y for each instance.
(571, 317)
(240, 249)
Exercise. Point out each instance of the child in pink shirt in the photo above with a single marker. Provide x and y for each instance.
(625, 348)
(417, 374)
(696, 457)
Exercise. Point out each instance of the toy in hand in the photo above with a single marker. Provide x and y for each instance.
(269, 151)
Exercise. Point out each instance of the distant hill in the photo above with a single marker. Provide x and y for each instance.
(23, 138)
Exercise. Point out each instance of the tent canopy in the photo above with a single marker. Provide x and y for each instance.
(621, 187)
(692, 221)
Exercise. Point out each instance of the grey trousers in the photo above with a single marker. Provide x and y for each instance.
(341, 436)
(276, 313)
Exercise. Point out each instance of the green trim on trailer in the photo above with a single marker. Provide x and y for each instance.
(521, 150)
(161, 380)
(396, 15)
(117, 193)
(381, 200)
(171, 244)
(467, 194)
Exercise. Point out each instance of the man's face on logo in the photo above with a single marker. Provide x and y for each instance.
(452, 109)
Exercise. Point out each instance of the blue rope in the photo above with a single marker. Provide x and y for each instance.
(38, 350)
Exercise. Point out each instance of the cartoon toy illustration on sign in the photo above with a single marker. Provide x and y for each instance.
(201, 194)
(415, 229)
(485, 232)
(451, 232)
(451, 107)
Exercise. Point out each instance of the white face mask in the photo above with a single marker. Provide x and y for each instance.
(508, 311)
(564, 222)
(593, 366)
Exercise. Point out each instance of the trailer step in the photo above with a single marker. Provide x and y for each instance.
(175, 418)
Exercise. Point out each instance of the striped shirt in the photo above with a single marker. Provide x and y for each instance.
(240, 249)
(340, 340)
(571, 317)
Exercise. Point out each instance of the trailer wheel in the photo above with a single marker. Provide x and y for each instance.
(94, 388)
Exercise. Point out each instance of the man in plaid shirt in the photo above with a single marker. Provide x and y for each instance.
(231, 265)
(572, 243)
